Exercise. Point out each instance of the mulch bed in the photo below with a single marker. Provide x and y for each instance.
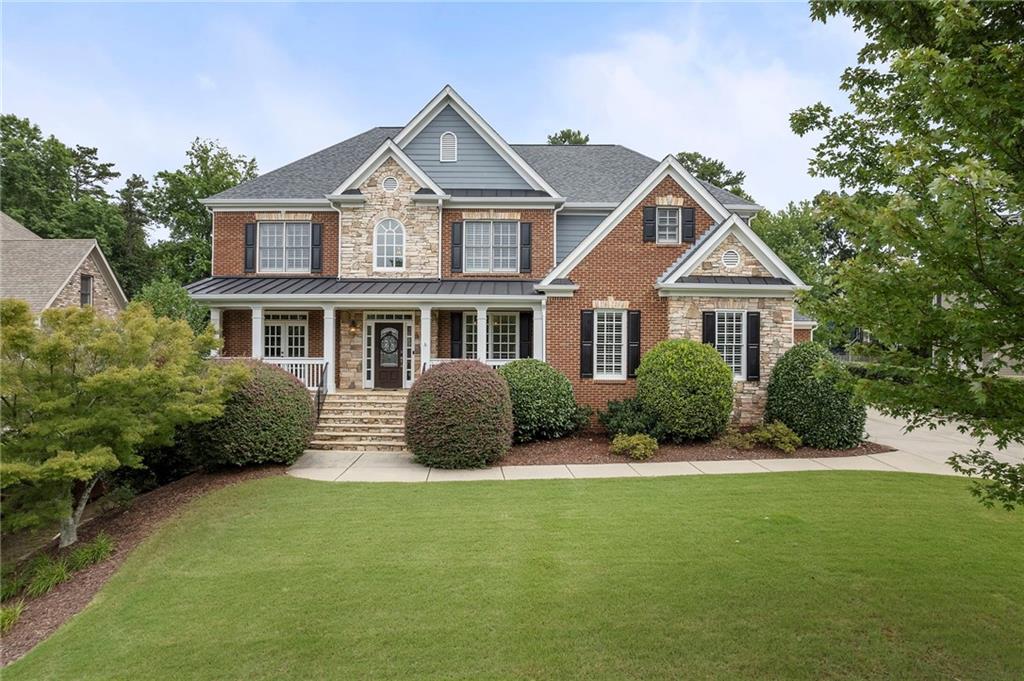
(593, 448)
(42, 616)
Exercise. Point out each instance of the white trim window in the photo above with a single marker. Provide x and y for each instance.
(491, 246)
(609, 344)
(285, 334)
(85, 284)
(449, 147)
(469, 335)
(389, 245)
(503, 329)
(284, 246)
(730, 326)
(668, 220)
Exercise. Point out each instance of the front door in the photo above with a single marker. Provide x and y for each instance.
(387, 355)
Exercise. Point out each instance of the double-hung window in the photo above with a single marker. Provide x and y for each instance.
(668, 226)
(502, 332)
(284, 246)
(285, 335)
(85, 284)
(609, 344)
(729, 334)
(492, 246)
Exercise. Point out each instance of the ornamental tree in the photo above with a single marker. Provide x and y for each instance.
(930, 160)
(82, 394)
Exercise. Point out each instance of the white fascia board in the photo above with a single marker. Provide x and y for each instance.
(589, 206)
(758, 248)
(392, 300)
(504, 201)
(385, 151)
(731, 290)
(805, 324)
(448, 95)
(743, 208)
(557, 290)
(669, 167)
(265, 204)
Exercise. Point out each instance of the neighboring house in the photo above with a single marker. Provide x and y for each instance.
(49, 273)
(803, 327)
(406, 246)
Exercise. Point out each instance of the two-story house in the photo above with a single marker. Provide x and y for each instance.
(363, 264)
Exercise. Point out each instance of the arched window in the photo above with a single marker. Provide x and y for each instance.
(449, 146)
(389, 245)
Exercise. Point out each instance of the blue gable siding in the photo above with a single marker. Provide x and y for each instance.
(478, 167)
(571, 230)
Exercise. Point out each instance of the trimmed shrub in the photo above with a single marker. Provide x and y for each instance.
(812, 393)
(686, 388)
(269, 419)
(543, 404)
(459, 415)
(638, 447)
(626, 417)
(775, 435)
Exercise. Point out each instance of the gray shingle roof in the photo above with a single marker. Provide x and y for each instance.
(299, 286)
(12, 229)
(799, 316)
(35, 270)
(592, 173)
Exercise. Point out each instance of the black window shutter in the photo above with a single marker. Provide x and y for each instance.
(525, 242)
(250, 247)
(632, 342)
(456, 335)
(316, 248)
(708, 332)
(650, 223)
(753, 346)
(525, 335)
(456, 247)
(586, 343)
(689, 224)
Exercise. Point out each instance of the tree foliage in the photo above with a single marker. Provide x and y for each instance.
(568, 136)
(82, 394)
(930, 159)
(714, 171)
(176, 202)
(167, 298)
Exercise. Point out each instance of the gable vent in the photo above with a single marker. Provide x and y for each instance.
(730, 258)
(449, 147)
(389, 184)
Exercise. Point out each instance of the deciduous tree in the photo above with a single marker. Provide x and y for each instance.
(714, 171)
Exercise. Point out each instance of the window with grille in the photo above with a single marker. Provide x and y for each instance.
(389, 245)
(729, 338)
(285, 335)
(491, 246)
(504, 335)
(609, 344)
(449, 147)
(284, 246)
(668, 225)
(469, 335)
(85, 290)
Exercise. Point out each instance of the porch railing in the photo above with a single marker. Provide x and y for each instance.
(309, 370)
(434, 361)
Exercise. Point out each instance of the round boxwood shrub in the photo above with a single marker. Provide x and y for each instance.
(459, 415)
(269, 419)
(811, 392)
(685, 387)
(543, 404)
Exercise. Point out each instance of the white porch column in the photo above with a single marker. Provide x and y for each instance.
(257, 331)
(538, 332)
(330, 347)
(481, 333)
(215, 321)
(424, 336)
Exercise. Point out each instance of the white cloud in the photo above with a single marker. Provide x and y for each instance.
(697, 90)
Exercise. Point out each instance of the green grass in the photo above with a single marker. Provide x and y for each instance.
(782, 576)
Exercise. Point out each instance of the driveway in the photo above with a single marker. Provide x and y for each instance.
(935, 445)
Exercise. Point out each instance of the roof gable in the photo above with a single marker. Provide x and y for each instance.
(11, 229)
(387, 150)
(37, 270)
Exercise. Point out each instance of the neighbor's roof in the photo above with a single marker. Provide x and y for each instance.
(12, 229)
(587, 173)
(799, 316)
(35, 270)
(318, 286)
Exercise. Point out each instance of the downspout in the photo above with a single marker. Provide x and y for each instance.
(440, 246)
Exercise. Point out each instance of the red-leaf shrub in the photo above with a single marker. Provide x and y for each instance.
(459, 415)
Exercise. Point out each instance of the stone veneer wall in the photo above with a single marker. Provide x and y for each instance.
(103, 299)
(419, 219)
(685, 321)
(749, 266)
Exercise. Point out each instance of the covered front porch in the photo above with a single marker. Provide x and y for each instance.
(334, 346)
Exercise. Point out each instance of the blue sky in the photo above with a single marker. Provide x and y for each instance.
(278, 81)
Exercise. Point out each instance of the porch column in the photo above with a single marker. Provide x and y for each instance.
(538, 332)
(481, 333)
(330, 347)
(215, 322)
(424, 336)
(257, 331)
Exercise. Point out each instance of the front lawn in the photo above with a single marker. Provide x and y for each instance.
(797, 576)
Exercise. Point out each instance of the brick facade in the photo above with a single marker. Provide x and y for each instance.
(104, 300)
(542, 241)
(229, 240)
(803, 335)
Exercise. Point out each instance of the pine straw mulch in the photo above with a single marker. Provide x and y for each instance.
(593, 448)
(128, 528)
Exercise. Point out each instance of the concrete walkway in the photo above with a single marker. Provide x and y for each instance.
(918, 452)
